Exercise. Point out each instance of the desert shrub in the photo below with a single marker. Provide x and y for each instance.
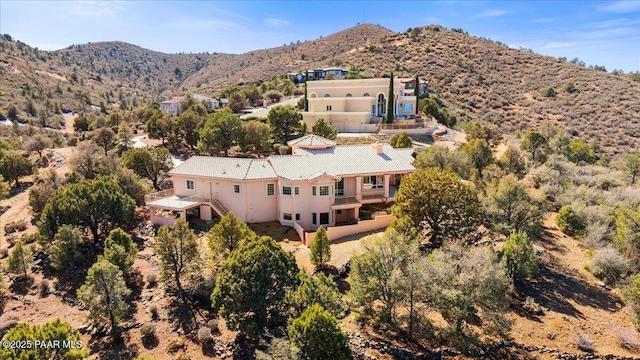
(213, 325)
(531, 306)
(279, 349)
(148, 333)
(631, 295)
(51, 332)
(550, 93)
(152, 280)
(626, 338)
(608, 264)
(154, 311)
(176, 345)
(597, 234)
(204, 335)
(15, 226)
(569, 222)
(583, 341)
(43, 287)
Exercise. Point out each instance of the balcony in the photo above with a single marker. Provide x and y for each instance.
(345, 202)
(174, 202)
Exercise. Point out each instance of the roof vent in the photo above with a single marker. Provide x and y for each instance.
(223, 171)
(237, 165)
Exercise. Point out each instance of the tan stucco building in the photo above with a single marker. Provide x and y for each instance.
(358, 105)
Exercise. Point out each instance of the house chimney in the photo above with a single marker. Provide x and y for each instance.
(377, 147)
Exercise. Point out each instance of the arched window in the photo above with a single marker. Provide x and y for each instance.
(366, 94)
(348, 95)
(327, 95)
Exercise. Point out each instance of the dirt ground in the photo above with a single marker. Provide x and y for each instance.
(575, 301)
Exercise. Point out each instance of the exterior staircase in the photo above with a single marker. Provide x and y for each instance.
(218, 207)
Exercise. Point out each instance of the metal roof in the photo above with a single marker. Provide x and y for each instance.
(342, 160)
(311, 140)
(225, 168)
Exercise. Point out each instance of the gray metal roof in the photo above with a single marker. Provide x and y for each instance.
(311, 140)
(225, 168)
(342, 160)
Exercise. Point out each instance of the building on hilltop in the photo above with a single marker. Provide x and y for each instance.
(318, 74)
(172, 105)
(359, 105)
(320, 184)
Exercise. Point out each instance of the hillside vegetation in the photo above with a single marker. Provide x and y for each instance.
(476, 78)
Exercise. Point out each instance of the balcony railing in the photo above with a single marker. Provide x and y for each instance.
(345, 200)
(158, 195)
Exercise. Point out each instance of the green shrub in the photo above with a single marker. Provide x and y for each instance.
(569, 222)
(317, 334)
(519, 256)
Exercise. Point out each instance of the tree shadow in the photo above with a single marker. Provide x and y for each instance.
(188, 313)
(106, 347)
(555, 290)
(21, 285)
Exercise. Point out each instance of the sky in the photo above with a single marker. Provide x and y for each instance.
(605, 33)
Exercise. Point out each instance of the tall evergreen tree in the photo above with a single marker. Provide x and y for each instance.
(390, 101)
(417, 92)
(306, 99)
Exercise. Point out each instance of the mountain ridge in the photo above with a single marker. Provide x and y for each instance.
(477, 78)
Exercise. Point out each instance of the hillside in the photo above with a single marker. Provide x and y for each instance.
(115, 74)
(263, 64)
(477, 78)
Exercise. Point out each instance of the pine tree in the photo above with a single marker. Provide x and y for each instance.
(104, 292)
(390, 101)
(177, 247)
(251, 286)
(120, 250)
(317, 334)
(320, 251)
(20, 260)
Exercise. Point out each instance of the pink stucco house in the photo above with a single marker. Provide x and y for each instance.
(320, 184)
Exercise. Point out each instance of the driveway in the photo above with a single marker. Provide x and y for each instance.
(262, 112)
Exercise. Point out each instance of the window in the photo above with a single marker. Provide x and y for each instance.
(366, 94)
(190, 185)
(339, 187)
(286, 190)
(314, 219)
(407, 107)
(236, 189)
(324, 218)
(327, 95)
(271, 189)
(313, 191)
(373, 182)
(324, 190)
(348, 95)
(298, 217)
(296, 190)
(338, 212)
(328, 107)
(286, 216)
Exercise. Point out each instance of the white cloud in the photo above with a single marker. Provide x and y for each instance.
(276, 23)
(493, 13)
(556, 45)
(621, 7)
(94, 8)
